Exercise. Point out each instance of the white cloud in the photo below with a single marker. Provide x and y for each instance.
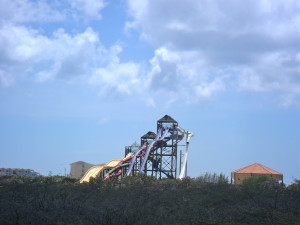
(150, 102)
(183, 75)
(120, 78)
(202, 48)
(64, 56)
(23, 11)
(27, 48)
(28, 53)
(289, 100)
(255, 42)
(42, 11)
(90, 8)
(206, 90)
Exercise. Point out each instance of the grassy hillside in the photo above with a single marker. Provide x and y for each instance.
(144, 200)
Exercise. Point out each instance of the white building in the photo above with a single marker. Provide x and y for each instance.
(79, 168)
(18, 171)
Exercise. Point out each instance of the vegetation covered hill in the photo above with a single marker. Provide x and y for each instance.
(143, 200)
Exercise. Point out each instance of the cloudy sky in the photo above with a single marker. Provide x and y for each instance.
(81, 79)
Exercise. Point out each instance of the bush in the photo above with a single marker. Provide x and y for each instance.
(145, 200)
(212, 178)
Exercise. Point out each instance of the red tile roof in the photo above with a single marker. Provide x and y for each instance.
(256, 168)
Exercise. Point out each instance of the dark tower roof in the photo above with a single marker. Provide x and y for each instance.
(149, 135)
(167, 118)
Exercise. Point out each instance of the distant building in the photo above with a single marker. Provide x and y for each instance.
(18, 171)
(79, 168)
(254, 170)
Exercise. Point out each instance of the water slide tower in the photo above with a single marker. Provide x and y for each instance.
(162, 160)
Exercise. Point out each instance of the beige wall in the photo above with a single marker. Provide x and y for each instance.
(78, 169)
(239, 177)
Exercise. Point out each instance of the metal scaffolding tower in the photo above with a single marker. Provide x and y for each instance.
(162, 160)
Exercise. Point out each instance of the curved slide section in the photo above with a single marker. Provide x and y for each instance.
(158, 137)
(95, 170)
(139, 153)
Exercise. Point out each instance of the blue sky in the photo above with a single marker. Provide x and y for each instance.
(81, 79)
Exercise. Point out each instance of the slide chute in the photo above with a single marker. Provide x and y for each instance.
(188, 138)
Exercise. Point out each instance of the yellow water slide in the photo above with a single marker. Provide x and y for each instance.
(95, 170)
